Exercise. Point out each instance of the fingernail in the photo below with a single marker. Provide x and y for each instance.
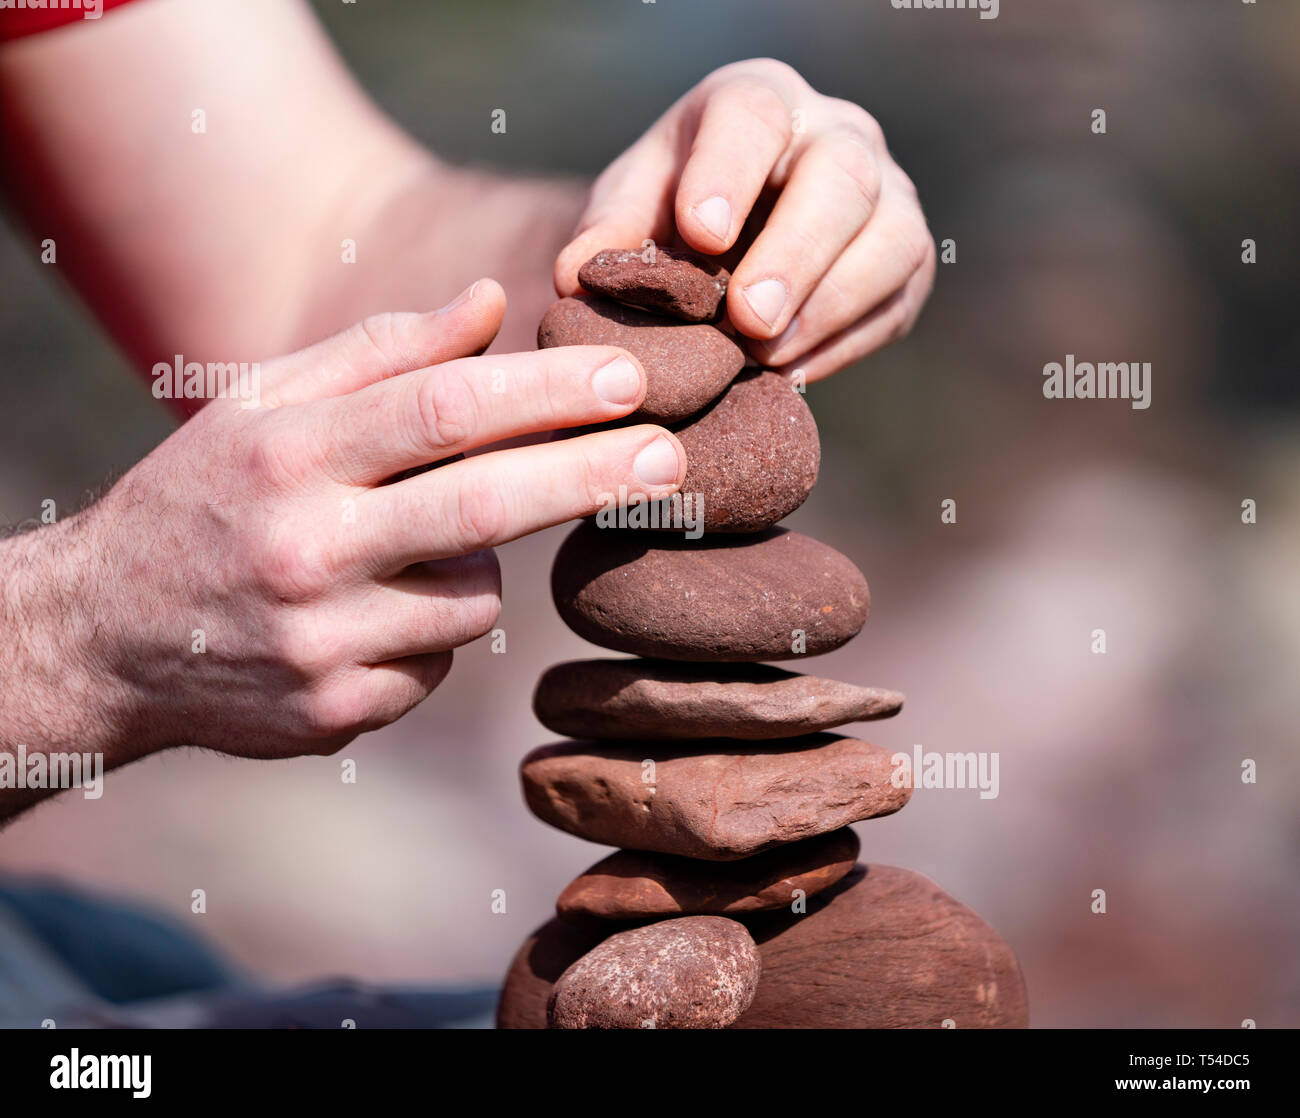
(715, 215)
(766, 298)
(657, 463)
(619, 382)
(464, 297)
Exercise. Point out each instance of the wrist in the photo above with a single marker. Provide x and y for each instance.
(58, 653)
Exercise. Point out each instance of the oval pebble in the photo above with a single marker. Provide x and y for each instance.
(697, 972)
(752, 456)
(773, 596)
(686, 366)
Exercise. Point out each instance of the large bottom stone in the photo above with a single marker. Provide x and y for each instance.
(885, 948)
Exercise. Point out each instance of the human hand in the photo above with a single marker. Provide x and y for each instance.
(842, 264)
(328, 596)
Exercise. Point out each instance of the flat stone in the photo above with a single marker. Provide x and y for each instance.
(752, 456)
(631, 885)
(883, 948)
(719, 599)
(674, 283)
(698, 972)
(726, 803)
(628, 699)
(686, 366)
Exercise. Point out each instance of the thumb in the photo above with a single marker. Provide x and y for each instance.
(388, 344)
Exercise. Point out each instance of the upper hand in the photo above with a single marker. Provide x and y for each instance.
(844, 262)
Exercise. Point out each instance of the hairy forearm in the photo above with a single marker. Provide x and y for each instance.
(60, 714)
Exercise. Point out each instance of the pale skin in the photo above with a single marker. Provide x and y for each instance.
(330, 598)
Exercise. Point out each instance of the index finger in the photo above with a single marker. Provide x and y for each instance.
(433, 414)
(745, 128)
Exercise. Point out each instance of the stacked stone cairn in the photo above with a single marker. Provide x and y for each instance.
(736, 898)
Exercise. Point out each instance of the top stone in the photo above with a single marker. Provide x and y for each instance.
(659, 280)
(686, 367)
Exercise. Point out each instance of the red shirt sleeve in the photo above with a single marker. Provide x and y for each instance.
(30, 17)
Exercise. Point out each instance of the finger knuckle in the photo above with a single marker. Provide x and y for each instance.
(379, 331)
(898, 320)
(905, 184)
(837, 304)
(773, 69)
(279, 456)
(861, 121)
(446, 411)
(918, 248)
(479, 613)
(766, 106)
(335, 710)
(591, 481)
(294, 566)
(480, 513)
(558, 381)
(859, 166)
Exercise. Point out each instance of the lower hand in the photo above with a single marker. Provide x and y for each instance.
(326, 597)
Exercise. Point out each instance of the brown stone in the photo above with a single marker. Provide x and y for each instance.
(673, 283)
(721, 598)
(628, 699)
(884, 948)
(686, 366)
(631, 885)
(728, 803)
(752, 456)
(697, 972)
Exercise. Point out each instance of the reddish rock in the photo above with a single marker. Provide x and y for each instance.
(752, 456)
(728, 803)
(631, 885)
(698, 972)
(673, 283)
(629, 699)
(685, 366)
(721, 598)
(884, 948)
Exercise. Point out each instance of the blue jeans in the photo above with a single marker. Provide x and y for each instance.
(72, 959)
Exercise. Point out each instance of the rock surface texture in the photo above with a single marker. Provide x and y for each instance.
(735, 898)
(685, 366)
(751, 456)
(777, 595)
(706, 800)
(671, 283)
(633, 885)
(696, 972)
(616, 699)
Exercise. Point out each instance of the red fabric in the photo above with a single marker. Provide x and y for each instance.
(19, 21)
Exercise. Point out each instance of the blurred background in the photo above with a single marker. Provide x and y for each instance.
(1119, 772)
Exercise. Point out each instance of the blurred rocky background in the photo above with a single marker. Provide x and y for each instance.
(1119, 772)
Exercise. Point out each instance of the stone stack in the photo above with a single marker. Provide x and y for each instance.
(736, 898)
